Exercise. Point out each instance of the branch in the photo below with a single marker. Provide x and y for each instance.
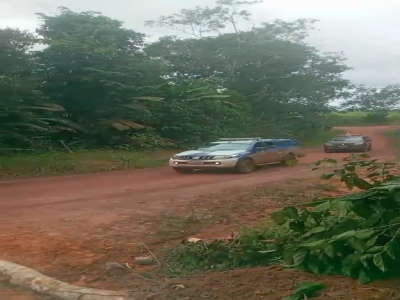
(31, 279)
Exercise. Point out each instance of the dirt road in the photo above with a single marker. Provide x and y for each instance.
(107, 192)
(42, 219)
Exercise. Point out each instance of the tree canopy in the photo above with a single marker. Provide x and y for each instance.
(94, 83)
(373, 99)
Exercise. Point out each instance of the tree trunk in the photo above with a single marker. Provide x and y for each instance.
(28, 278)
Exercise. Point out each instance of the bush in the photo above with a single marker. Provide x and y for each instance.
(356, 235)
(377, 118)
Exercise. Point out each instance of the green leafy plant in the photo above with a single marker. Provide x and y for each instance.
(356, 235)
(359, 171)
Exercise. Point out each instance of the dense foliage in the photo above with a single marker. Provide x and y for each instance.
(85, 80)
(356, 235)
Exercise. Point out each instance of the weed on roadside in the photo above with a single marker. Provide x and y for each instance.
(59, 163)
(250, 249)
(174, 226)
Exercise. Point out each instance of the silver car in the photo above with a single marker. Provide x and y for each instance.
(240, 154)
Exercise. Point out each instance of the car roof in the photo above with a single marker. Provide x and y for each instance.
(348, 136)
(253, 141)
(351, 134)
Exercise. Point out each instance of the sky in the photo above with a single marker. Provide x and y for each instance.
(366, 31)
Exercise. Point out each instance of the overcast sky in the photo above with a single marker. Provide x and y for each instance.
(367, 31)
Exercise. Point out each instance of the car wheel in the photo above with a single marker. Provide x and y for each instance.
(327, 151)
(290, 160)
(183, 170)
(245, 166)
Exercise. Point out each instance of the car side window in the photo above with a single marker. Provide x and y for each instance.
(259, 145)
(269, 144)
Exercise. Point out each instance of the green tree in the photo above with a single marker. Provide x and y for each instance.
(95, 69)
(195, 111)
(99, 84)
(21, 104)
(284, 80)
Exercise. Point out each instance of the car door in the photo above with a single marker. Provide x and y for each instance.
(274, 153)
(292, 146)
(260, 153)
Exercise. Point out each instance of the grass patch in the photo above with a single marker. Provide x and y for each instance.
(220, 255)
(173, 226)
(320, 137)
(60, 163)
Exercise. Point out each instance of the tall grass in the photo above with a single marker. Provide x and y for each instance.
(59, 163)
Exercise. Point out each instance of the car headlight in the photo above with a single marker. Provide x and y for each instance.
(359, 143)
(328, 144)
(175, 157)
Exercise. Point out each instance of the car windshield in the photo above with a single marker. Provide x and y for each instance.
(225, 146)
(347, 139)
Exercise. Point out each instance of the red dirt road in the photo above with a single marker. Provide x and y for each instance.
(119, 192)
(62, 189)
(41, 220)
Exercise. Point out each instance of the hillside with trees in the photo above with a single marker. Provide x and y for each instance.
(92, 83)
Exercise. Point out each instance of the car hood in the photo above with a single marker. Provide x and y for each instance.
(205, 153)
(343, 142)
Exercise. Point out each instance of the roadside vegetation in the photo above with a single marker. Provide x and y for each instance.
(354, 235)
(364, 118)
(318, 138)
(62, 162)
(116, 90)
(79, 162)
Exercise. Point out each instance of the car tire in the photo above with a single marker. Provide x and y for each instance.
(289, 157)
(245, 165)
(327, 151)
(183, 170)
